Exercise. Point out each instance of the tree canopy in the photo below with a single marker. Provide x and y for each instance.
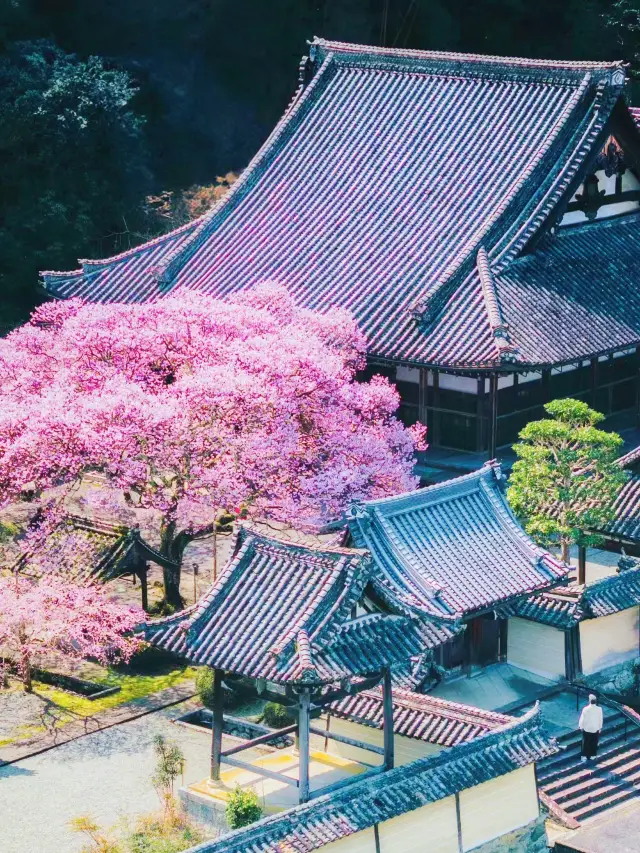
(193, 405)
(184, 92)
(72, 162)
(566, 478)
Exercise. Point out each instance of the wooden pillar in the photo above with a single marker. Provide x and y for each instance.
(546, 384)
(582, 564)
(435, 420)
(480, 414)
(303, 741)
(423, 396)
(637, 387)
(216, 732)
(387, 721)
(144, 586)
(467, 647)
(502, 641)
(593, 382)
(493, 415)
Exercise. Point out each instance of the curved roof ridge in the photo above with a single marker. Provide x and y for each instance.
(499, 327)
(339, 47)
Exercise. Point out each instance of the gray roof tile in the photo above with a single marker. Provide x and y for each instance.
(452, 548)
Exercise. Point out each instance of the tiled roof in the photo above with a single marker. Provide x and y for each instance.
(630, 459)
(421, 716)
(564, 608)
(387, 174)
(89, 550)
(360, 805)
(283, 612)
(452, 548)
(578, 293)
(627, 508)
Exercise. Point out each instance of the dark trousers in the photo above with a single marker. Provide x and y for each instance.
(590, 744)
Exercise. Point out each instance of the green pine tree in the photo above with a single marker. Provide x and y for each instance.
(566, 478)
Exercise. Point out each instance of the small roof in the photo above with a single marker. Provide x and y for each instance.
(421, 716)
(566, 607)
(360, 805)
(284, 612)
(459, 153)
(88, 549)
(453, 548)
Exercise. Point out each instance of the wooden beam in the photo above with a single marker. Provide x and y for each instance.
(387, 720)
(436, 406)
(216, 726)
(350, 741)
(303, 740)
(582, 564)
(144, 587)
(261, 739)
(480, 414)
(423, 396)
(493, 415)
(262, 771)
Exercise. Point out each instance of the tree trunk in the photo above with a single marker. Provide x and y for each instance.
(564, 553)
(171, 574)
(25, 672)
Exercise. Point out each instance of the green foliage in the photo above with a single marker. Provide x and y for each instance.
(242, 808)
(72, 162)
(169, 765)
(169, 832)
(276, 716)
(204, 686)
(566, 478)
(623, 18)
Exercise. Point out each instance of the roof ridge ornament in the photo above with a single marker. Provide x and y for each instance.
(499, 327)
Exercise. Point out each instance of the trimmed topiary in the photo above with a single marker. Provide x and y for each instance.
(276, 716)
(242, 808)
(204, 686)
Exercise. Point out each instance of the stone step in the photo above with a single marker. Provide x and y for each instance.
(595, 808)
(574, 775)
(582, 786)
(611, 721)
(610, 745)
(597, 794)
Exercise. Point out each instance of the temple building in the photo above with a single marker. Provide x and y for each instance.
(374, 767)
(455, 550)
(579, 629)
(480, 216)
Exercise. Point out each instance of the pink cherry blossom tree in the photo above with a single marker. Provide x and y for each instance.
(53, 614)
(192, 405)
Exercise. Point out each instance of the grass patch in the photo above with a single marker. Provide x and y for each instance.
(132, 686)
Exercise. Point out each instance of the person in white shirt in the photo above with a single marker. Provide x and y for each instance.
(591, 725)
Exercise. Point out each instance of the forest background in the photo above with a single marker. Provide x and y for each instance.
(117, 117)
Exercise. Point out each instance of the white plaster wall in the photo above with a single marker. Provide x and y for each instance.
(609, 640)
(536, 648)
(608, 184)
(405, 749)
(430, 829)
(498, 806)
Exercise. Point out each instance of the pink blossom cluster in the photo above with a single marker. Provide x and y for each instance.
(193, 403)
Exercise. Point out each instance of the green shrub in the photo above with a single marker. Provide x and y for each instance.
(204, 686)
(242, 808)
(276, 716)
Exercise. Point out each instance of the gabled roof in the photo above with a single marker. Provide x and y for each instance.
(284, 612)
(88, 549)
(566, 607)
(360, 805)
(452, 548)
(387, 174)
(421, 716)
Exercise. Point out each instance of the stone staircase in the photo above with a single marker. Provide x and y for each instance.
(585, 789)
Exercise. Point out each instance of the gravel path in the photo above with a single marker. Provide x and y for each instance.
(106, 775)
